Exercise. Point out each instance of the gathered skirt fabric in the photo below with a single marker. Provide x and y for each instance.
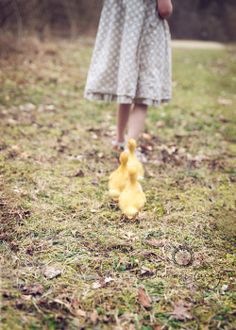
(131, 61)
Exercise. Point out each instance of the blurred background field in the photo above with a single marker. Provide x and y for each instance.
(195, 19)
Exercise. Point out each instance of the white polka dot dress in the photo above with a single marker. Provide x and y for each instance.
(131, 61)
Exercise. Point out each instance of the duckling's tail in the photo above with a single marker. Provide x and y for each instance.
(114, 194)
(131, 212)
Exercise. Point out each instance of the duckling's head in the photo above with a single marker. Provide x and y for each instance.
(132, 145)
(124, 158)
(133, 174)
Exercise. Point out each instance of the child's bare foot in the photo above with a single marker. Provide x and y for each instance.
(118, 146)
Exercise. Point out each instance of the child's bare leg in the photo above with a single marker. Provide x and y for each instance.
(137, 121)
(123, 112)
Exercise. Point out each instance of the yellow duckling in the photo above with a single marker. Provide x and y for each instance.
(133, 160)
(132, 198)
(119, 178)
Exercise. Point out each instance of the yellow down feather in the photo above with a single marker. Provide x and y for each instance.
(119, 178)
(133, 160)
(132, 198)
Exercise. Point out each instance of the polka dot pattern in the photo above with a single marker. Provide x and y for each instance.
(131, 60)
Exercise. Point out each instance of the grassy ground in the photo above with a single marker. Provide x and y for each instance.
(69, 260)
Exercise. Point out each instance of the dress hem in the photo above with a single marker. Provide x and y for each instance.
(125, 99)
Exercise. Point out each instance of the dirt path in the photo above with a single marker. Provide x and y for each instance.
(192, 44)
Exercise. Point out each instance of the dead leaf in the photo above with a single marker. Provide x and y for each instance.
(146, 147)
(181, 311)
(78, 157)
(62, 303)
(27, 107)
(24, 155)
(108, 280)
(32, 289)
(75, 304)
(26, 297)
(223, 119)
(100, 155)
(146, 272)
(79, 174)
(131, 327)
(160, 124)
(94, 129)
(223, 101)
(81, 313)
(94, 136)
(150, 174)
(62, 147)
(51, 51)
(49, 107)
(143, 298)
(157, 327)
(96, 285)
(224, 288)
(93, 210)
(183, 258)
(94, 182)
(94, 316)
(232, 178)
(51, 272)
(147, 136)
(156, 243)
(197, 158)
(148, 254)
(102, 283)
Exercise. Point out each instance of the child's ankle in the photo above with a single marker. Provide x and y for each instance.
(118, 145)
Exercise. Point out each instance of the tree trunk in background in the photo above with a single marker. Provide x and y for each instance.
(203, 19)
